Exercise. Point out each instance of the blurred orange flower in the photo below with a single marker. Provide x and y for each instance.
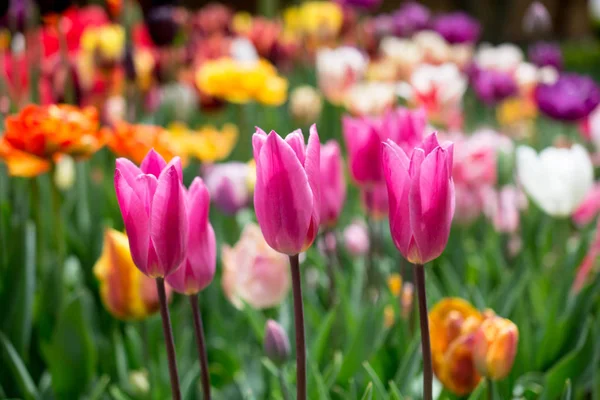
(495, 347)
(38, 135)
(133, 141)
(125, 291)
(453, 323)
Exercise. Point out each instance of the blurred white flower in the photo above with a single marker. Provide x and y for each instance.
(305, 104)
(242, 49)
(404, 54)
(505, 57)
(338, 70)
(356, 238)
(370, 98)
(64, 174)
(433, 47)
(557, 179)
(180, 98)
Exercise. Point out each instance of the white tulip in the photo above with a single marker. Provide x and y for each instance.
(557, 179)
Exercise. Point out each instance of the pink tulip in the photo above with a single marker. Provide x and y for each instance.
(228, 186)
(286, 195)
(333, 183)
(589, 208)
(363, 137)
(198, 268)
(421, 195)
(375, 201)
(253, 272)
(356, 238)
(503, 207)
(153, 206)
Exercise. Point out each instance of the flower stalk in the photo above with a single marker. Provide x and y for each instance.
(201, 345)
(169, 343)
(425, 342)
(299, 327)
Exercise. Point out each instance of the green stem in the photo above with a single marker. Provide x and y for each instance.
(59, 233)
(201, 345)
(299, 326)
(490, 389)
(425, 342)
(284, 391)
(169, 342)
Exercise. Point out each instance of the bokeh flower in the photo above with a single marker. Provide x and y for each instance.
(207, 144)
(277, 343)
(356, 238)
(241, 82)
(571, 98)
(134, 141)
(557, 179)
(410, 18)
(375, 201)
(495, 347)
(228, 185)
(125, 292)
(370, 98)
(105, 44)
(253, 272)
(457, 27)
(306, 104)
(34, 137)
(544, 54)
(317, 23)
(338, 70)
(333, 183)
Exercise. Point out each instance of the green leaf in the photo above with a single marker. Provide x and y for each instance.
(71, 353)
(479, 392)
(395, 392)
(410, 364)
(321, 341)
(368, 395)
(572, 365)
(18, 371)
(568, 393)
(379, 386)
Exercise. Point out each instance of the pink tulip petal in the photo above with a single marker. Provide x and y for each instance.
(432, 199)
(145, 187)
(364, 150)
(258, 140)
(296, 142)
(333, 183)
(430, 143)
(176, 162)
(169, 224)
(283, 198)
(153, 163)
(313, 171)
(395, 165)
(129, 170)
(136, 221)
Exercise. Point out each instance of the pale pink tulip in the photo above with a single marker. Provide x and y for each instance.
(198, 268)
(356, 238)
(589, 208)
(375, 201)
(253, 272)
(287, 195)
(153, 206)
(421, 195)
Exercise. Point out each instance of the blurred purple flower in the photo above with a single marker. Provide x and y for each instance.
(410, 18)
(493, 86)
(17, 14)
(545, 54)
(457, 27)
(364, 4)
(571, 98)
(227, 184)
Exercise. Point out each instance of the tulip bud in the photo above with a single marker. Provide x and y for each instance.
(277, 344)
(287, 193)
(126, 292)
(356, 238)
(153, 206)
(537, 19)
(198, 268)
(421, 197)
(495, 347)
(333, 184)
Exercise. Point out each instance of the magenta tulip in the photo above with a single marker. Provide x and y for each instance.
(286, 195)
(333, 183)
(421, 197)
(153, 206)
(198, 268)
(363, 137)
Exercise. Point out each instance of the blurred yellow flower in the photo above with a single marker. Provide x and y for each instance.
(516, 110)
(143, 62)
(207, 144)
(241, 82)
(495, 347)
(125, 291)
(395, 284)
(388, 316)
(106, 42)
(315, 19)
(4, 39)
(242, 22)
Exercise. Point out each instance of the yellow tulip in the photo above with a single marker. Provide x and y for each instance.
(495, 347)
(207, 144)
(126, 293)
(395, 284)
(108, 41)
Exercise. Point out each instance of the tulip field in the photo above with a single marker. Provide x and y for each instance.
(320, 200)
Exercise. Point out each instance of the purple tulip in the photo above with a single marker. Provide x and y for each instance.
(493, 86)
(410, 18)
(457, 27)
(277, 344)
(571, 98)
(545, 54)
(227, 184)
(363, 4)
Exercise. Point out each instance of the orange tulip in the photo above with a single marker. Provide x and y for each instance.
(453, 323)
(134, 141)
(495, 347)
(37, 135)
(126, 292)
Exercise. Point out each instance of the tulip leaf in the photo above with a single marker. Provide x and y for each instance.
(568, 392)
(395, 392)
(479, 392)
(18, 370)
(379, 386)
(572, 364)
(368, 395)
(410, 364)
(71, 353)
(321, 341)
(316, 384)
